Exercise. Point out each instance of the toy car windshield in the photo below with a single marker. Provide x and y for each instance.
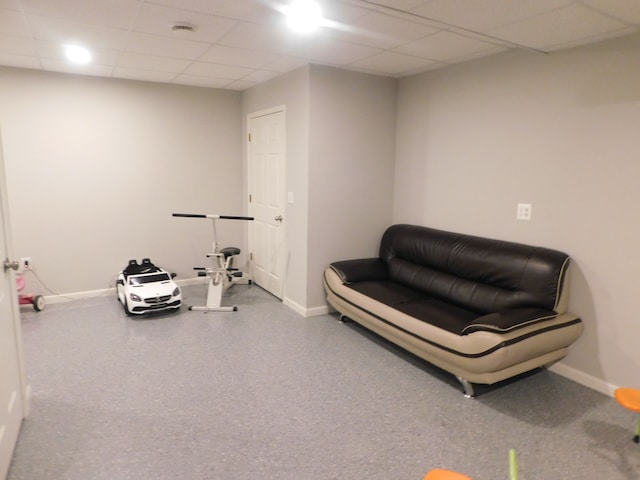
(158, 277)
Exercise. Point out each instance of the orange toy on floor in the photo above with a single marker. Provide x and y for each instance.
(629, 398)
(440, 474)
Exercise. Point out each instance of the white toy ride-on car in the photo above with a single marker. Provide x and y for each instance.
(143, 288)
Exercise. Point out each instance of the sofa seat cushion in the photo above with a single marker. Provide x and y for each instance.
(417, 305)
(445, 315)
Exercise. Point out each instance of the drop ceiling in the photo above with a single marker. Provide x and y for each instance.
(237, 44)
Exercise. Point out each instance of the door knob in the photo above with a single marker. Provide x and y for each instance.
(278, 218)
(8, 264)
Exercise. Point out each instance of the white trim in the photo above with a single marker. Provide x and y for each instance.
(282, 292)
(317, 311)
(584, 379)
(267, 111)
(305, 312)
(105, 292)
(287, 302)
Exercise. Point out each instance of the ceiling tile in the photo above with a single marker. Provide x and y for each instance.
(401, 4)
(11, 4)
(240, 85)
(392, 63)
(238, 56)
(259, 76)
(19, 61)
(223, 8)
(55, 65)
(196, 81)
(55, 51)
(259, 37)
(158, 20)
(625, 10)
(91, 36)
(150, 62)
(203, 69)
(165, 46)
(286, 64)
(445, 46)
(342, 12)
(558, 27)
(240, 43)
(143, 75)
(482, 15)
(333, 52)
(112, 13)
(382, 31)
(18, 45)
(12, 23)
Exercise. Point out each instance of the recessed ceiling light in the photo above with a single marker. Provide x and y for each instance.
(77, 54)
(304, 16)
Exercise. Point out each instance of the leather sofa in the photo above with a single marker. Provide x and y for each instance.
(483, 310)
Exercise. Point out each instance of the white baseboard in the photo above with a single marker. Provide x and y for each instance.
(105, 292)
(68, 297)
(305, 312)
(583, 379)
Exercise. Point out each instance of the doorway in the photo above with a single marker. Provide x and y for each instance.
(12, 385)
(266, 169)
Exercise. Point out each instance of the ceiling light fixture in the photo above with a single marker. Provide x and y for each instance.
(304, 16)
(77, 54)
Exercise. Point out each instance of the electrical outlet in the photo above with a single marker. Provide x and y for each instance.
(524, 211)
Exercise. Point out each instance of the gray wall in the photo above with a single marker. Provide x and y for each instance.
(559, 131)
(95, 167)
(340, 144)
(292, 92)
(351, 161)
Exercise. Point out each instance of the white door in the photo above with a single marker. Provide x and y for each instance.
(12, 397)
(266, 181)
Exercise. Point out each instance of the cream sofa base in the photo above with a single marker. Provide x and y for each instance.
(479, 357)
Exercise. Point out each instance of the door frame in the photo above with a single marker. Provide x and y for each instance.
(282, 194)
(12, 297)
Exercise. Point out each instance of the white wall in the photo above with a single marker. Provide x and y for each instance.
(559, 131)
(95, 167)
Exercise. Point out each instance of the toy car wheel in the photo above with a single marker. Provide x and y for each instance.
(38, 303)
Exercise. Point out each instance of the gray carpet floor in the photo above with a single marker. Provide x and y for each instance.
(263, 393)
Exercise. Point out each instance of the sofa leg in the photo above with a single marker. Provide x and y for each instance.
(467, 387)
(344, 319)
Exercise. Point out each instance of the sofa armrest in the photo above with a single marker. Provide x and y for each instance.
(508, 320)
(360, 270)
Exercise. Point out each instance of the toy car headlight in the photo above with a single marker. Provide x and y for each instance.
(176, 292)
(134, 297)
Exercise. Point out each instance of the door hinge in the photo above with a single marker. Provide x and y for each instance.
(250, 198)
(251, 257)
(249, 137)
